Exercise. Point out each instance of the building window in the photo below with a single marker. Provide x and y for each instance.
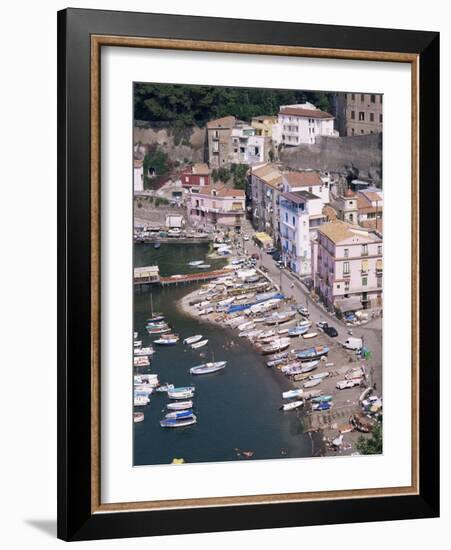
(379, 250)
(364, 250)
(362, 97)
(362, 131)
(380, 118)
(294, 220)
(352, 131)
(353, 115)
(353, 97)
(346, 252)
(373, 98)
(345, 268)
(364, 281)
(346, 286)
(380, 98)
(361, 115)
(371, 117)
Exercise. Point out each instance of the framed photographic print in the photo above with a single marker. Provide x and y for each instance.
(248, 274)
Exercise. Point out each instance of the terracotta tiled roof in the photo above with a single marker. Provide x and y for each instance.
(338, 231)
(308, 113)
(269, 174)
(300, 179)
(201, 169)
(220, 192)
(224, 122)
(330, 213)
(137, 163)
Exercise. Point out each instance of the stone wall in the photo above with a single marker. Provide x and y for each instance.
(181, 145)
(357, 156)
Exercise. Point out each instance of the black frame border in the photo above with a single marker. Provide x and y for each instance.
(75, 520)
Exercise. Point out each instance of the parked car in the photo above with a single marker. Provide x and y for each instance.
(321, 324)
(279, 264)
(330, 331)
(304, 311)
(271, 250)
(344, 384)
(353, 343)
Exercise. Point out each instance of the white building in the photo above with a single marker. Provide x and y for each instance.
(247, 147)
(307, 181)
(138, 175)
(302, 123)
(294, 232)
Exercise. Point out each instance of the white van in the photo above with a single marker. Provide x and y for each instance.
(352, 343)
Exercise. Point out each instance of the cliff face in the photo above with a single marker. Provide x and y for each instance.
(356, 156)
(186, 144)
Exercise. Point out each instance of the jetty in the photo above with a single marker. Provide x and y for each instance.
(149, 275)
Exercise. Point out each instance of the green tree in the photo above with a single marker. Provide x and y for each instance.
(371, 445)
(239, 174)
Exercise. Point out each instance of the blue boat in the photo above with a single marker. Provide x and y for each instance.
(178, 423)
(322, 406)
(177, 415)
(322, 399)
(311, 353)
(259, 298)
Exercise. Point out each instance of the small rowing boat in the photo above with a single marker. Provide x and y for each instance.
(195, 263)
(292, 405)
(312, 383)
(319, 376)
(309, 335)
(192, 339)
(188, 413)
(168, 340)
(292, 393)
(200, 344)
(178, 423)
(180, 405)
(138, 416)
(181, 393)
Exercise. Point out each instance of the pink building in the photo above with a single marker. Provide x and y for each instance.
(348, 267)
(214, 206)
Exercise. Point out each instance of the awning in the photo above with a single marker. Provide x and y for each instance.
(348, 304)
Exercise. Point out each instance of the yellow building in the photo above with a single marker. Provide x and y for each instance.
(264, 125)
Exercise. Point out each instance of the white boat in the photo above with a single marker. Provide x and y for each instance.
(140, 400)
(178, 423)
(279, 318)
(151, 379)
(165, 387)
(192, 339)
(181, 393)
(248, 325)
(144, 389)
(292, 405)
(309, 335)
(180, 405)
(195, 263)
(141, 361)
(200, 344)
(138, 416)
(178, 415)
(204, 266)
(207, 368)
(206, 311)
(167, 340)
(319, 376)
(312, 383)
(292, 393)
(135, 335)
(276, 346)
(144, 351)
(137, 344)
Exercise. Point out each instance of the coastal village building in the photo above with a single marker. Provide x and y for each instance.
(363, 114)
(266, 187)
(307, 180)
(370, 206)
(219, 133)
(265, 125)
(196, 175)
(215, 206)
(348, 267)
(246, 146)
(345, 204)
(138, 175)
(303, 123)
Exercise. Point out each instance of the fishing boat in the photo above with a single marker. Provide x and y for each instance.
(311, 353)
(155, 319)
(138, 416)
(141, 361)
(292, 368)
(276, 346)
(322, 406)
(305, 323)
(179, 405)
(180, 423)
(188, 413)
(167, 340)
(204, 266)
(206, 311)
(144, 389)
(158, 330)
(308, 367)
(192, 339)
(207, 368)
(312, 394)
(298, 330)
(144, 351)
(195, 263)
(266, 334)
(319, 376)
(165, 388)
(181, 393)
(151, 379)
(309, 335)
(275, 363)
(312, 383)
(135, 335)
(279, 318)
(248, 325)
(292, 393)
(200, 344)
(292, 405)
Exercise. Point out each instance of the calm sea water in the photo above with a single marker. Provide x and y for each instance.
(237, 408)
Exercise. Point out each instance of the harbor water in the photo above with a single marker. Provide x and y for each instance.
(237, 409)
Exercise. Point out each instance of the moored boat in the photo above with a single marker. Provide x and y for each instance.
(178, 423)
(141, 361)
(275, 346)
(319, 376)
(312, 383)
(138, 416)
(322, 399)
(181, 393)
(192, 339)
(292, 393)
(167, 340)
(207, 368)
(311, 353)
(188, 413)
(195, 263)
(180, 405)
(144, 351)
(309, 335)
(279, 318)
(200, 344)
